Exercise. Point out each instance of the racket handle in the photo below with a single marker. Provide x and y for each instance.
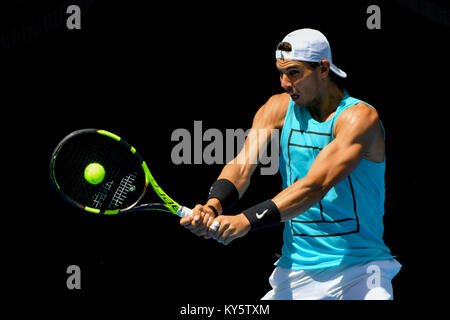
(186, 212)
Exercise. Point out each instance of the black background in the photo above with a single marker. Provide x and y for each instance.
(142, 70)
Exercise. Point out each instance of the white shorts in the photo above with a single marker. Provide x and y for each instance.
(366, 281)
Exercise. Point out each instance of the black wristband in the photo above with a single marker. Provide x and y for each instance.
(226, 192)
(214, 210)
(264, 214)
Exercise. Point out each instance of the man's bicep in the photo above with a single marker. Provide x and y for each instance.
(334, 163)
(268, 118)
(271, 115)
(354, 137)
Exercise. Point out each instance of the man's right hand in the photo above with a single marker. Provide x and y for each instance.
(201, 218)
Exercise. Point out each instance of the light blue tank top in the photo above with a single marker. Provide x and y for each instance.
(346, 226)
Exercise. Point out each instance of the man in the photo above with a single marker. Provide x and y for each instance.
(332, 162)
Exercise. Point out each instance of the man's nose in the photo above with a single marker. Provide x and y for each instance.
(286, 83)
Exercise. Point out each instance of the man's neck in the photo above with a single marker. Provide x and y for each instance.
(326, 104)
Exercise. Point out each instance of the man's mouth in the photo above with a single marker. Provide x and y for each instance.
(295, 96)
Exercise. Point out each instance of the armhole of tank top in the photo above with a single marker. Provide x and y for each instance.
(338, 113)
(288, 113)
(382, 128)
(381, 124)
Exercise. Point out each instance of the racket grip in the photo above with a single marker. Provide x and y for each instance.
(184, 212)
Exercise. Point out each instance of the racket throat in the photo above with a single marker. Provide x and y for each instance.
(172, 205)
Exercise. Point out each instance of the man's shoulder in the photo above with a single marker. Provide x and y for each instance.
(274, 110)
(361, 111)
(361, 117)
(280, 100)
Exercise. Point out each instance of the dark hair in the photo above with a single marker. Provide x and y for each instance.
(286, 46)
(338, 81)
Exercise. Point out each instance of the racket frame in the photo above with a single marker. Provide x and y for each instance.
(169, 204)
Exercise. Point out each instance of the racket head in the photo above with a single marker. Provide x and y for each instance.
(126, 174)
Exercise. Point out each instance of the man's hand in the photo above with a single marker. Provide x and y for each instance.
(231, 228)
(202, 217)
(198, 221)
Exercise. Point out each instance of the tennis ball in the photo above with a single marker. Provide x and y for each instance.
(94, 173)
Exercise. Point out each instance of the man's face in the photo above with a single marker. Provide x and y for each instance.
(299, 80)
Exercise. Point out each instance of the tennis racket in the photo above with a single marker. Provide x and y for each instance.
(116, 184)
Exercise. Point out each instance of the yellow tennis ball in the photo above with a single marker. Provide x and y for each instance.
(94, 173)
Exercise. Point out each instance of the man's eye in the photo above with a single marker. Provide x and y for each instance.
(291, 73)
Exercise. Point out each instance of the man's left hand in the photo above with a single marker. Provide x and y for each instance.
(231, 228)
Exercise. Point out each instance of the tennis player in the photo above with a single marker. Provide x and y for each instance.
(332, 163)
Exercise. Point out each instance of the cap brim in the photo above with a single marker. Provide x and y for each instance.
(338, 71)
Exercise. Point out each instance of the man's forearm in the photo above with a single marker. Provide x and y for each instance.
(238, 174)
(298, 197)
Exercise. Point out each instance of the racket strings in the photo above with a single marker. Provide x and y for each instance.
(126, 185)
(124, 181)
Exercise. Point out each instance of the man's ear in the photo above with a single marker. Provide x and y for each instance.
(324, 68)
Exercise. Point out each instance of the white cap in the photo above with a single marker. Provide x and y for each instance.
(309, 45)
